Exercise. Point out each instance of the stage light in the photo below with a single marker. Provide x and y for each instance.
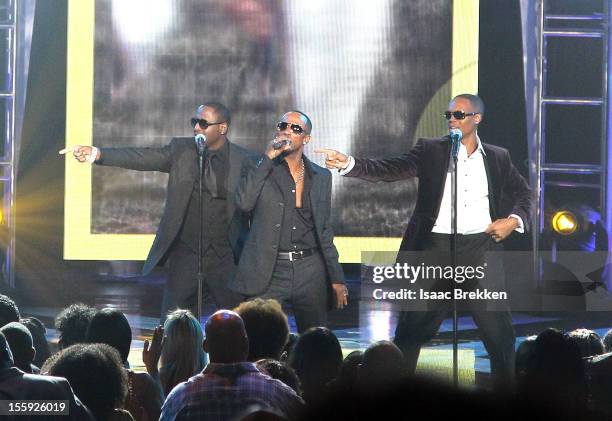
(564, 222)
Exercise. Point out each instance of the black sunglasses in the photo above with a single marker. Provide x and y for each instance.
(459, 115)
(295, 128)
(203, 123)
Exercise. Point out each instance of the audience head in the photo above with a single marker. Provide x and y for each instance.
(607, 341)
(95, 373)
(280, 371)
(382, 364)
(8, 310)
(588, 341)
(20, 340)
(349, 373)
(38, 331)
(524, 353)
(267, 328)
(182, 354)
(316, 358)
(226, 338)
(111, 327)
(6, 356)
(72, 324)
(555, 370)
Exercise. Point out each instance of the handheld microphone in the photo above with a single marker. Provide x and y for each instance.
(200, 141)
(279, 143)
(455, 135)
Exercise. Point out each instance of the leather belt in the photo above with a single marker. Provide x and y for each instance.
(296, 255)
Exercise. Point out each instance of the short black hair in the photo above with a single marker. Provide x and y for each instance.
(95, 373)
(475, 100)
(308, 120)
(38, 331)
(72, 323)
(280, 371)
(20, 340)
(8, 310)
(111, 327)
(222, 111)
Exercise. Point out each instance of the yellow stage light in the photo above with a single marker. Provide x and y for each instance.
(564, 222)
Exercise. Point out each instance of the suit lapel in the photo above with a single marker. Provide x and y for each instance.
(489, 163)
(439, 175)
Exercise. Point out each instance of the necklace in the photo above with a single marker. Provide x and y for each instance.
(300, 177)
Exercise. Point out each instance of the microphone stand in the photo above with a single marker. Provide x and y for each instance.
(456, 136)
(200, 275)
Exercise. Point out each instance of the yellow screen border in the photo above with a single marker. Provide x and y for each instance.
(81, 244)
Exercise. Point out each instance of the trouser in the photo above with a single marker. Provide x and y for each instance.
(302, 285)
(181, 286)
(415, 328)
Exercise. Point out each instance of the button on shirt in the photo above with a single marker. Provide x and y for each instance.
(297, 228)
(472, 195)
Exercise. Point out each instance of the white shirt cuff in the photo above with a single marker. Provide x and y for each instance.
(92, 157)
(349, 167)
(521, 227)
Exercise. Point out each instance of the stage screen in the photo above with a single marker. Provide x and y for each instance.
(373, 77)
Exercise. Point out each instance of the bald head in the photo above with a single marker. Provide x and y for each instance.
(381, 362)
(226, 339)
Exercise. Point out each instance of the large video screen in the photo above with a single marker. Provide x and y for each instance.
(373, 77)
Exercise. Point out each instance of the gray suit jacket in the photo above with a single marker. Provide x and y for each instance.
(179, 160)
(261, 195)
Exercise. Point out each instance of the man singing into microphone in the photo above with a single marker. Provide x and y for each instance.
(177, 235)
(493, 201)
(289, 254)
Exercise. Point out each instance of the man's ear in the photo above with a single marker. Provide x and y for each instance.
(307, 139)
(224, 128)
(205, 345)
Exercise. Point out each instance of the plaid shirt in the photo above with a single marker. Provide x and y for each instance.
(224, 391)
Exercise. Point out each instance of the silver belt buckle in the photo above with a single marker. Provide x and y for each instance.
(291, 256)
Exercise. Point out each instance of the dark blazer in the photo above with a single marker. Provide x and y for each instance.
(179, 159)
(17, 385)
(261, 195)
(429, 160)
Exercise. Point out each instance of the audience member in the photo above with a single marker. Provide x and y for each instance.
(280, 371)
(177, 349)
(316, 358)
(72, 323)
(555, 372)
(39, 338)
(17, 385)
(95, 373)
(348, 378)
(267, 328)
(382, 366)
(229, 385)
(524, 353)
(607, 341)
(20, 340)
(8, 310)
(588, 341)
(111, 327)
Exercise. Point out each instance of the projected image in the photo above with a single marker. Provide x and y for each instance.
(372, 76)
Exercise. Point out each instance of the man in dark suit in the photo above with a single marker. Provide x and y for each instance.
(177, 236)
(494, 200)
(289, 254)
(16, 385)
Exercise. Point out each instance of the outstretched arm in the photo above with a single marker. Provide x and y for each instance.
(387, 169)
(141, 159)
